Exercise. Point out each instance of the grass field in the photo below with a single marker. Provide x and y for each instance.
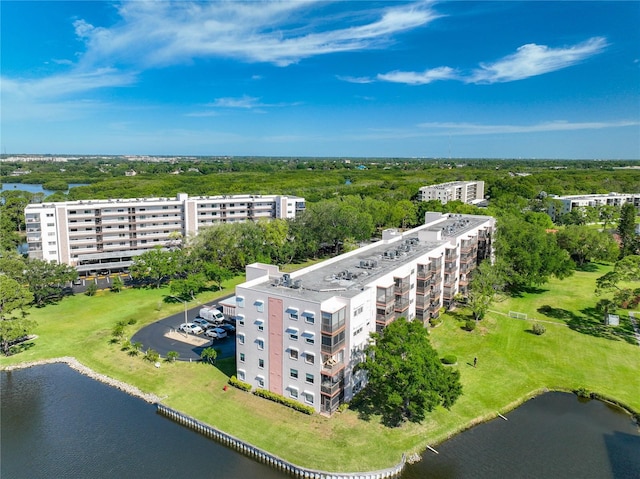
(512, 364)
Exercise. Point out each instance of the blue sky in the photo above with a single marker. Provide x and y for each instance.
(455, 79)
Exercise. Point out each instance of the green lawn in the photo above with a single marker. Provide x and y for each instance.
(512, 364)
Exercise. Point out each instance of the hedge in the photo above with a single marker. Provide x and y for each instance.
(235, 382)
(263, 393)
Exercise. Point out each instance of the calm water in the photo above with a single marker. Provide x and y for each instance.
(34, 188)
(56, 423)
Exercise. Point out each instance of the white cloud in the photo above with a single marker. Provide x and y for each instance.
(245, 101)
(419, 78)
(531, 60)
(62, 84)
(166, 33)
(479, 129)
(351, 79)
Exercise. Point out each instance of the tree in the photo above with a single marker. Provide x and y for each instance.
(92, 289)
(621, 280)
(209, 355)
(405, 376)
(14, 300)
(626, 230)
(585, 244)
(527, 255)
(486, 282)
(155, 265)
(47, 280)
(188, 288)
(117, 284)
(217, 274)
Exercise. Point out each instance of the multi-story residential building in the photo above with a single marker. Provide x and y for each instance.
(466, 191)
(564, 204)
(105, 235)
(300, 335)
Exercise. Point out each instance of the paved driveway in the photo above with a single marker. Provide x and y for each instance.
(153, 336)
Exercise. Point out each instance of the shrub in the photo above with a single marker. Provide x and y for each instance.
(470, 325)
(582, 393)
(152, 355)
(343, 407)
(263, 393)
(172, 356)
(92, 289)
(126, 345)
(538, 329)
(449, 359)
(235, 382)
(433, 322)
(132, 321)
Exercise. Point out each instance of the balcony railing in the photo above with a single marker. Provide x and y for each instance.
(401, 305)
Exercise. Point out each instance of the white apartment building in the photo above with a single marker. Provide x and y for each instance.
(466, 191)
(300, 335)
(568, 203)
(104, 235)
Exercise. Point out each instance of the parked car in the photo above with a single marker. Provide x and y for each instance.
(203, 323)
(229, 328)
(212, 314)
(216, 333)
(190, 328)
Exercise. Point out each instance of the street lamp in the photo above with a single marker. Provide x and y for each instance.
(185, 309)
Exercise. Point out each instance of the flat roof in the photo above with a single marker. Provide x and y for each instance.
(348, 275)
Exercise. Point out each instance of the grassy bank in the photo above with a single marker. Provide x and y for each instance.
(512, 364)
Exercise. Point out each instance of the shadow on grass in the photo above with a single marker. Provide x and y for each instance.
(591, 322)
(227, 366)
(587, 267)
(520, 292)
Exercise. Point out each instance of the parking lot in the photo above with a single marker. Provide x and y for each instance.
(163, 336)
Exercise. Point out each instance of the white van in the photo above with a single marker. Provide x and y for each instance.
(211, 314)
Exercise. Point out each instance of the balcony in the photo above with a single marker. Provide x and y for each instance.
(424, 273)
(332, 366)
(401, 305)
(401, 288)
(386, 317)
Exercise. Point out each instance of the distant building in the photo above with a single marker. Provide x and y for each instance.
(301, 335)
(565, 204)
(471, 192)
(99, 235)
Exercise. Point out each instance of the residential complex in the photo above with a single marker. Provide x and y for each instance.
(300, 335)
(105, 235)
(568, 203)
(465, 191)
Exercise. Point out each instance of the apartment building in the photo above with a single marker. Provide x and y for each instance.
(466, 191)
(568, 203)
(300, 335)
(105, 235)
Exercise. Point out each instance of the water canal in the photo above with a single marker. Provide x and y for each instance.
(57, 423)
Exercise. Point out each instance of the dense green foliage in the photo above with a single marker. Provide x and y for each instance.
(405, 376)
(235, 382)
(626, 230)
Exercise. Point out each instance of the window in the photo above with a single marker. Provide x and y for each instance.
(50, 224)
(309, 358)
(309, 337)
(241, 338)
(261, 363)
(241, 374)
(293, 313)
(242, 357)
(293, 373)
(260, 324)
(358, 310)
(293, 354)
(260, 380)
(240, 319)
(358, 331)
(239, 301)
(309, 378)
(259, 306)
(309, 317)
(293, 392)
(308, 397)
(293, 333)
(260, 343)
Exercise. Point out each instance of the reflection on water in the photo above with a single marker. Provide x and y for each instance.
(551, 436)
(56, 423)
